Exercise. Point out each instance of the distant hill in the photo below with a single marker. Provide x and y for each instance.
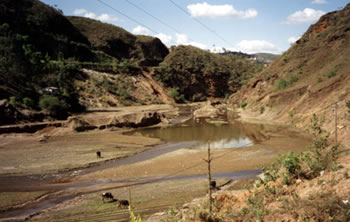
(194, 74)
(265, 58)
(310, 77)
(118, 43)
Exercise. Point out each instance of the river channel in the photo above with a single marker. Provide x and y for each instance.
(239, 151)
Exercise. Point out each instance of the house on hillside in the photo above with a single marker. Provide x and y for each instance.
(51, 90)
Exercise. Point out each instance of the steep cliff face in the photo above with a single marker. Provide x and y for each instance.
(310, 77)
(121, 44)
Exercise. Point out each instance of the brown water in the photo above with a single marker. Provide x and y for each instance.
(200, 132)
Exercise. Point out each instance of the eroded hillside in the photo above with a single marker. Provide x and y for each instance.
(309, 78)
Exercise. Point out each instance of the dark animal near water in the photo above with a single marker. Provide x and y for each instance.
(98, 154)
(123, 203)
(212, 184)
(107, 196)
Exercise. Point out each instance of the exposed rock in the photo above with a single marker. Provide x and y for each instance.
(209, 111)
(78, 124)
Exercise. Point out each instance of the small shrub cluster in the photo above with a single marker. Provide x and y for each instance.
(174, 93)
(120, 89)
(26, 101)
(244, 104)
(54, 105)
(305, 165)
(331, 74)
(348, 105)
(282, 84)
(262, 109)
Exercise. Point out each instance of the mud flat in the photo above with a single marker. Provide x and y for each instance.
(66, 178)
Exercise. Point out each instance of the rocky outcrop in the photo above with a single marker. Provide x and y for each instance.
(132, 120)
(211, 110)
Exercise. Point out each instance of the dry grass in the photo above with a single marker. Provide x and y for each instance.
(11, 199)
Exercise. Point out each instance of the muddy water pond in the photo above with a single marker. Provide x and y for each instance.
(200, 132)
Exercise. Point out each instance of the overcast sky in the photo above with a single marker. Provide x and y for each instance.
(241, 25)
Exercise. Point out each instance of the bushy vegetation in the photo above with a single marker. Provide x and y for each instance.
(305, 165)
(277, 187)
(244, 104)
(174, 93)
(198, 74)
(262, 109)
(35, 42)
(120, 89)
(53, 105)
(282, 84)
(348, 105)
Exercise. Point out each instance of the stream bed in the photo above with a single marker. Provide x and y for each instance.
(242, 148)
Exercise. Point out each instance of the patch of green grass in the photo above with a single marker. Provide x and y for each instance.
(218, 124)
(282, 84)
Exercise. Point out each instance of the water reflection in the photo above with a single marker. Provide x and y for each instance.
(220, 135)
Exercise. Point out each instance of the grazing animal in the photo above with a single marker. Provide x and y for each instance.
(44, 139)
(98, 154)
(123, 203)
(107, 196)
(213, 184)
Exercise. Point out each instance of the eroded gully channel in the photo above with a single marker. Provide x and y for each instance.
(191, 134)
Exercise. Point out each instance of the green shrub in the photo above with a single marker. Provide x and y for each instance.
(262, 109)
(218, 124)
(244, 104)
(331, 74)
(291, 162)
(348, 105)
(53, 104)
(174, 93)
(292, 79)
(14, 100)
(127, 67)
(282, 84)
(307, 165)
(28, 102)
